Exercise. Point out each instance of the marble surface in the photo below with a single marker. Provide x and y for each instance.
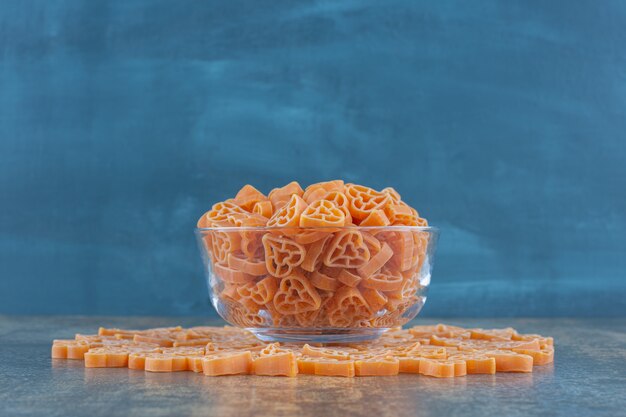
(587, 378)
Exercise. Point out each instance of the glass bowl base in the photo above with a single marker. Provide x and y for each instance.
(313, 335)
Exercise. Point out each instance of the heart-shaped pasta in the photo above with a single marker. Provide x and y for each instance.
(347, 250)
(296, 295)
(282, 255)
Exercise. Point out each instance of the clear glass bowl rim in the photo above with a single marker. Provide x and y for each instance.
(430, 229)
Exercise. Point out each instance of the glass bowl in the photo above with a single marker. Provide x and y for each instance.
(342, 284)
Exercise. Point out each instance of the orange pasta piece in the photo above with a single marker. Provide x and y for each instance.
(274, 361)
(157, 338)
(363, 200)
(229, 292)
(402, 247)
(508, 361)
(230, 275)
(238, 262)
(227, 363)
(296, 295)
(522, 344)
(409, 357)
(398, 336)
(307, 318)
(315, 195)
(219, 212)
(311, 236)
(393, 194)
(377, 366)
(540, 357)
(341, 202)
(194, 363)
(390, 319)
(334, 367)
(280, 320)
(165, 362)
(137, 360)
(313, 252)
(406, 292)
(192, 342)
(384, 280)
(323, 282)
(347, 249)
(282, 255)
(401, 214)
(193, 333)
(330, 271)
(325, 187)
(224, 243)
(59, 348)
(289, 214)
(69, 349)
(248, 196)
(420, 246)
(445, 341)
(407, 348)
(184, 350)
(375, 299)
(499, 345)
(348, 278)
(306, 365)
(346, 307)
(376, 218)
(251, 244)
(103, 331)
(322, 213)
(246, 314)
(232, 220)
(376, 262)
(441, 330)
(169, 332)
(247, 220)
(281, 196)
(372, 243)
(493, 334)
(431, 352)
(327, 352)
(442, 368)
(395, 303)
(203, 221)
(315, 318)
(279, 364)
(106, 357)
(263, 208)
(409, 364)
(526, 337)
(261, 292)
(476, 363)
(114, 356)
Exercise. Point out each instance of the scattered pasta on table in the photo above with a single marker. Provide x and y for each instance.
(440, 351)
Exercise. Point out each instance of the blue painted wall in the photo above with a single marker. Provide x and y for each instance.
(504, 123)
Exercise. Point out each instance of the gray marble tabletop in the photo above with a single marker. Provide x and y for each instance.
(587, 378)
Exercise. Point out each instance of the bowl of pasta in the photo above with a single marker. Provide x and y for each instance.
(334, 262)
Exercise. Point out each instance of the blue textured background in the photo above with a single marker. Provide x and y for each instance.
(504, 123)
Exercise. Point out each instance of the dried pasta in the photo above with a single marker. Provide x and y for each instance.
(436, 351)
(333, 254)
